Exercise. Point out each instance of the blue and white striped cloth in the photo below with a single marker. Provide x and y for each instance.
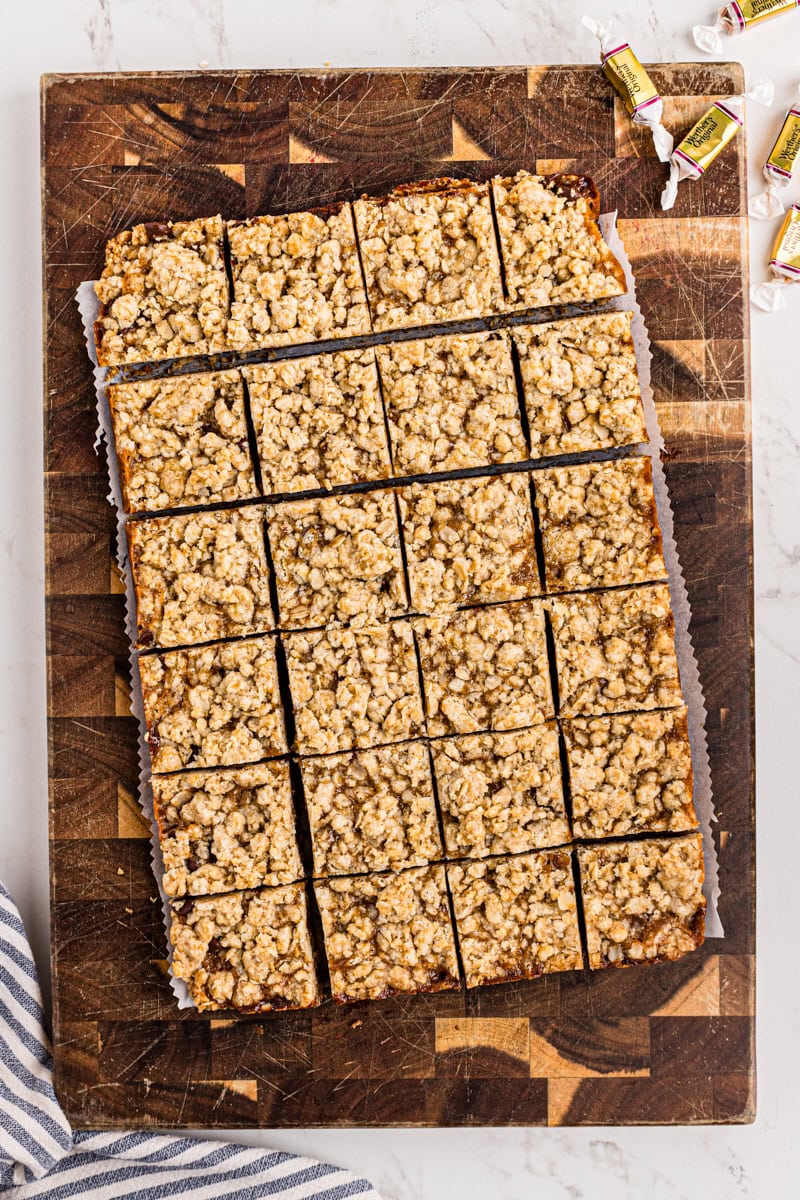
(41, 1157)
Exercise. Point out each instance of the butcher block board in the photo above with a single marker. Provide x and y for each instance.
(668, 1044)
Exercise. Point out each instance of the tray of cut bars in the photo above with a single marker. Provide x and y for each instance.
(402, 639)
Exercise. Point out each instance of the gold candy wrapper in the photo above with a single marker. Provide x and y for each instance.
(629, 78)
(784, 264)
(781, 165)
(736, 18)
(709, 137)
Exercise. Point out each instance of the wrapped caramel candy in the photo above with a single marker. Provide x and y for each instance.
(782, 163)
(629, 78)
(784, 264)
(709, 137)
(736, 18)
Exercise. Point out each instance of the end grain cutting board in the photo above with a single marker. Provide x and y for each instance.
(672, 1043)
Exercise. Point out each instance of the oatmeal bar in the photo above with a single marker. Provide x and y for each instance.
(163, 292)
(580, 384)
(371, 810)
(642, 901)
(599, 525)
(225, 830)
(469, 541)
(451, 403)
(216, 706)
(250, 951)
(516, 918)
(296, 278)
(181, 441)
(485, 668)
(615, 651)
(337, 559)
(319, 421)
(552, 248)
(630, 774)
(200, 578)
(501, 793)
(354, 688)
(388, 934)
(429, 253)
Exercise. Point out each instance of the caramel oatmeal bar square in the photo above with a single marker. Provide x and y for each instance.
(615, 651)
(516, 918)
(387, 935)
(642, 901)
(429, 253)
(200, 578)
(485, 668)
(354, 688)
(372, 810)
(630, 774)
(337, 559)
(181, 441)
(296, 278)
(580, 384)
(451, 403)
(163, 293)
(599, 525)
(551, 245)
(319, 421)
(250, 951)
(501, 793)
(221, 831)
(216, 706)
(469, 541)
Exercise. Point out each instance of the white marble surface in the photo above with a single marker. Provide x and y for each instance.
(82, 35)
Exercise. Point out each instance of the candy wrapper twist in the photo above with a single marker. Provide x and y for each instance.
(736, 18)
(784, 264)
(782, 163)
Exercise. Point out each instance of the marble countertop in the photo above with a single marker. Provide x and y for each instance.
(86, 35)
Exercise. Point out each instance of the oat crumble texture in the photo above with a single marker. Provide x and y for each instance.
(215, 706)
(163, 293)
(501, 793)
(516, 918)
(615, 651)
(599, 525)
(429, 254)
(318, 421)
(249, 951)
(354, 688)
(451, 403)
(371, 810)
(181, 442)
(551, 245)
(200, 577)
(337, 560)
(221, 831)
(580, 384)
(469, 541)
(485, 669)
(643, 901)
(296, 278)
(630, 774)
(388, 934)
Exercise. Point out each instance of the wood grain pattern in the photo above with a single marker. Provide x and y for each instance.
(668, 1044)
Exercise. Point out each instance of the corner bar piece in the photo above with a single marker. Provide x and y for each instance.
(429, 254)
(388, 935)
(163, 293)
(221, 831)
(550, 241)
(250, 951)
(642, 901)
(181, 442)
(516, 918)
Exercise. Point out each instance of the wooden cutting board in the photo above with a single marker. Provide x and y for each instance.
(669, 1044)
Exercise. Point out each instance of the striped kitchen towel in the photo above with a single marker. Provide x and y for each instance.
(41, 1157)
